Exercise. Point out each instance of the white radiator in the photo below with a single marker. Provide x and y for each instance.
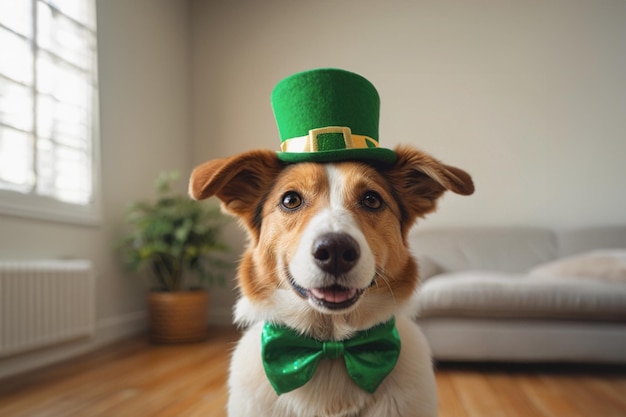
(44, 303)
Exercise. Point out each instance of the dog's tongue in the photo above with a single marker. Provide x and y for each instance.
(334, 294)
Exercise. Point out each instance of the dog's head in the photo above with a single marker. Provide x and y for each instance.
(327, 241)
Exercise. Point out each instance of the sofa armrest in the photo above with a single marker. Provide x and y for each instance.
(427, 268)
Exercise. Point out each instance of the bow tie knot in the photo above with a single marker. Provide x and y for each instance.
(332, 349)
(290, 359)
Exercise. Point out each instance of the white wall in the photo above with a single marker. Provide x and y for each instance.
(143, 68)
(527, 96)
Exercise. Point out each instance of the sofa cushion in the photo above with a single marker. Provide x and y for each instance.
(508, 249)
(607, 264)
(427, 268)
(576, 241)
(508, 295)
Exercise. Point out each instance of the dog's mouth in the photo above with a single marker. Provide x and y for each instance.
(333, 297)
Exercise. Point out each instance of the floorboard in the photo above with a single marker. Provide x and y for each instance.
(136, 378)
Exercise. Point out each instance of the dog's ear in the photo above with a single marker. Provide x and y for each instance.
(240, 181)
(419, 180)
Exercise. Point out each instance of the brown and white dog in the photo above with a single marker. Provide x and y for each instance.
(328, 256)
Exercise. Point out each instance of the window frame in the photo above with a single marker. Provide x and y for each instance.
(37, 206)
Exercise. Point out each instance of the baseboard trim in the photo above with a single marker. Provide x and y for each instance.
(117, 327)
(107, 331)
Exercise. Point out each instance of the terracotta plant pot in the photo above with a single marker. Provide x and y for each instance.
(178, 317)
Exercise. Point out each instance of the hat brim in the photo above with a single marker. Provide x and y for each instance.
(381, 155)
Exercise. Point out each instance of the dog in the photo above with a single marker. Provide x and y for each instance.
(328, 257)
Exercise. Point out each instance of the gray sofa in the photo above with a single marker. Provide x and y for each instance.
(523, 294)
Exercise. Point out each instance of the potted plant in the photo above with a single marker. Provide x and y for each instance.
(175, 239)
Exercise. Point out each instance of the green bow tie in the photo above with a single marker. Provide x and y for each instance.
(290, 359)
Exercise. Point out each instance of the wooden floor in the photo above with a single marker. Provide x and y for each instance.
(138, 379)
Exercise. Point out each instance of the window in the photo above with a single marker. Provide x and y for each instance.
(48, 109)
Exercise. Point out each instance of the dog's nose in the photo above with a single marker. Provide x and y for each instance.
(335, 253)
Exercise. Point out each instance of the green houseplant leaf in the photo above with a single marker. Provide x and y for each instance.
(176, 237)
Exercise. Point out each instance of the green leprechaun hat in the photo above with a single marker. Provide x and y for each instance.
(326, 115)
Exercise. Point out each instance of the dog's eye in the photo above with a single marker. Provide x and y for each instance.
(291, 200)
(372, 200)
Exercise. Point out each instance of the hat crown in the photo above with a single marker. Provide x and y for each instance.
(325, 97)
(328, 114)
